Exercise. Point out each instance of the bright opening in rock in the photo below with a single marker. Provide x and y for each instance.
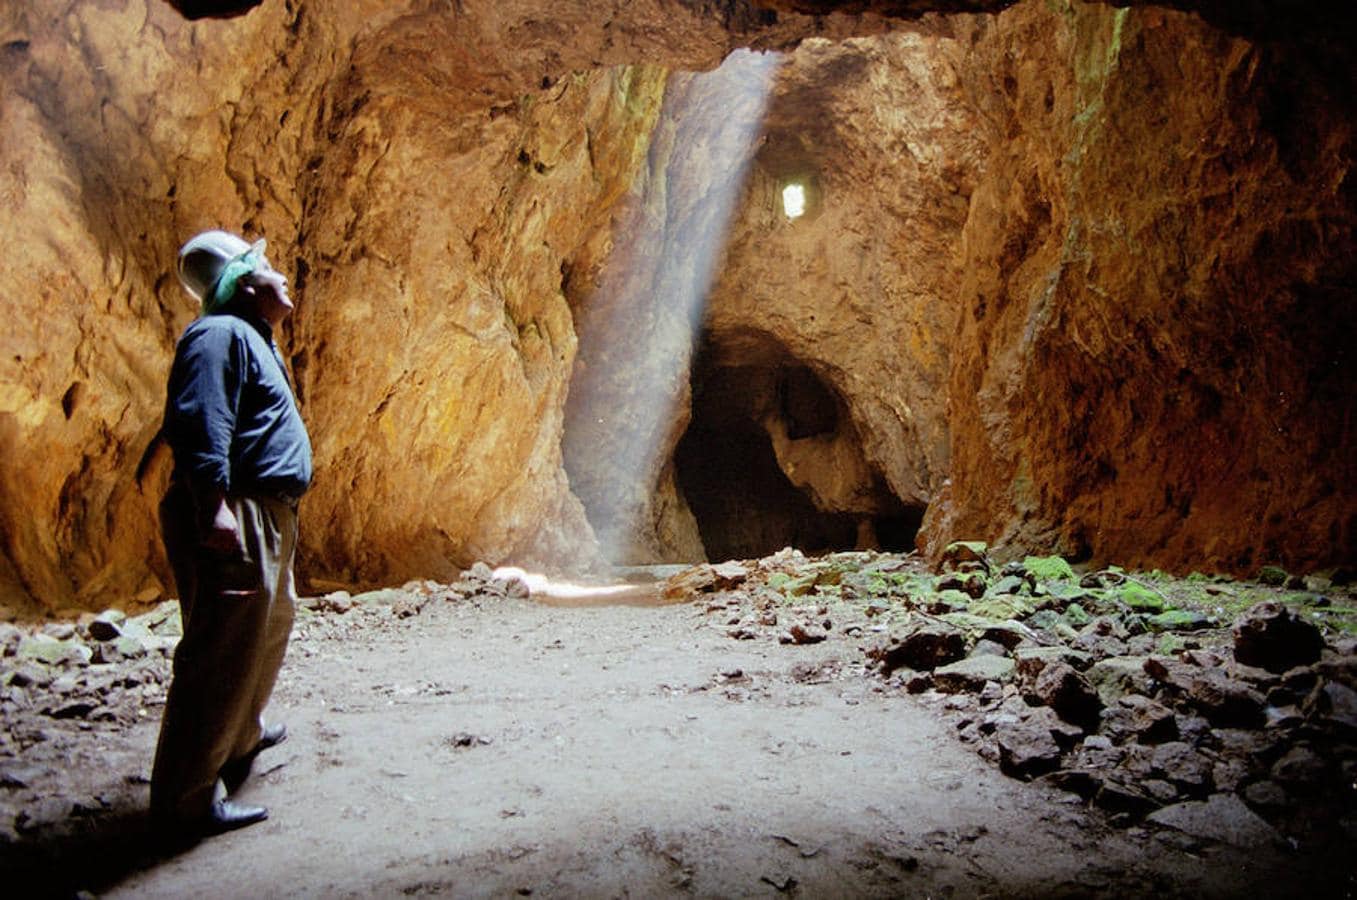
(794, 201)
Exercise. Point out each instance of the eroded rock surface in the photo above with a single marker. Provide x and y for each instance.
(1071, 277)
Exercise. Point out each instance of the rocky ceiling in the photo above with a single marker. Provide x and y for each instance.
(1072, 277)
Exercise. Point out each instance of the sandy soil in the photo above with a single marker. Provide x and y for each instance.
(506, 747)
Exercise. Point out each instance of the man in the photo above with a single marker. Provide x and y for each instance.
(242, 460)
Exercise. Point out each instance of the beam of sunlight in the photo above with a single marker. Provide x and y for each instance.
(560, 592)
(637, 331)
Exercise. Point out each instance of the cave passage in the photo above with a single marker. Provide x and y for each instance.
(744, 504)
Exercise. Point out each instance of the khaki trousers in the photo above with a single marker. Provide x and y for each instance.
(237, 612)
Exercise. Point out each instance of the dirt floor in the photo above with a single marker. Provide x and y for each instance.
(499, 746)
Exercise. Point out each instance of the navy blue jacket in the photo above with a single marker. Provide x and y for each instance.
(230, 416)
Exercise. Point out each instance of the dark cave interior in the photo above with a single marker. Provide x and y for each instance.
(728, 469)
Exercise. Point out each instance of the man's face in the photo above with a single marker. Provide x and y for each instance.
(269, 289)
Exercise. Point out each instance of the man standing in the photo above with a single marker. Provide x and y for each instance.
(242, 460)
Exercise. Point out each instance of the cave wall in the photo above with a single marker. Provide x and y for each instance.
(428, 175)
(117, 121)
(1153, 362)
(863, 288)
(1082, 276)
(425, 175)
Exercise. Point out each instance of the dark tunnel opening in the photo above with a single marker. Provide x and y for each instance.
(744, 504)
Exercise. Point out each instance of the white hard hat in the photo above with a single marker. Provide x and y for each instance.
(203, 259)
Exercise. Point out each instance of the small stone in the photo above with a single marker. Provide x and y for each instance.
(1068, 694)
(959, 552)
(337, 602)
(1273, 576)
(999, 609)
(1229, 773)
(1179, 620)
(61, 631)
(1221, 817)
(1184, 766)
(1169, 644)
(802, 633)
(107, 625)
(1301, 770)
(1011, 634)
(1026, 749)
(1139, 598)
(972, 584)
(970, 675)
(1224, 701)
(78, 709)
(988, 648)
(729, 575)
(1031, 660)
(42, 813)
(1117, 676)
(1118, 797)
(1083, 782)
(44, 648)
(407, 606)
(924, 648)
(15, 774)
(10, 636)
(1162, 791)
(1076, 616)
(1008, 584)
(1266, 795)
(1048, 568)
(991, 693)
(1335, 702)
(1193, 729)
(1140, 645)
(1139, 718)
(919, 682)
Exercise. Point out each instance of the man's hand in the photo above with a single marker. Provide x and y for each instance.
(221, 533)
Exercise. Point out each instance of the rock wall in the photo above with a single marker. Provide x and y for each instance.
(1153, 364)
(1073, 277)
(862, 289)
(424, 174)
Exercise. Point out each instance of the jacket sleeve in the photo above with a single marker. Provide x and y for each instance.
(203, 402)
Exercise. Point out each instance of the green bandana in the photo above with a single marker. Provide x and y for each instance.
(237, 268)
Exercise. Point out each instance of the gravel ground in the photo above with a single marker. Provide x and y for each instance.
(443, 745)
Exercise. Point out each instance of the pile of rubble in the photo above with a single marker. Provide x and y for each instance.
(106, 668)
(1155, 698)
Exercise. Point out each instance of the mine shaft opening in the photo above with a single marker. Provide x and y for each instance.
(728, 467)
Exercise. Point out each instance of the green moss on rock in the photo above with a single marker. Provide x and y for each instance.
(1274, 576)
(1048, 568)
(1140, 598)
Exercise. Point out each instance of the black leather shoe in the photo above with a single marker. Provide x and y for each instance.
(227, 815)
(234, 773)
(272, 736)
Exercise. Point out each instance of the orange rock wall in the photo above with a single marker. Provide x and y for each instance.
(1153, 363)
(424, 174)
(1080, 276)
